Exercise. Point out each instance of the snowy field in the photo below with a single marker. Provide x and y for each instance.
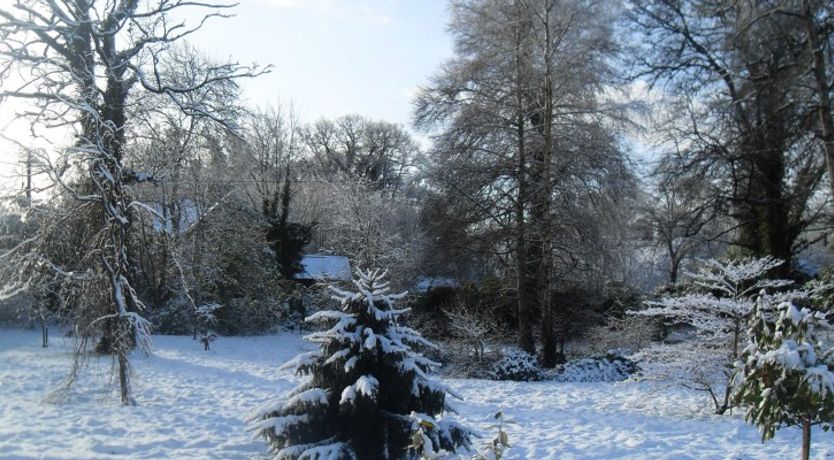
(192, 403)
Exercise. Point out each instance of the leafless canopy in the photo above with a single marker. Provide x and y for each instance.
(83, 65)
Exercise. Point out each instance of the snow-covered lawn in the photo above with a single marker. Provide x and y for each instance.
(192, 403)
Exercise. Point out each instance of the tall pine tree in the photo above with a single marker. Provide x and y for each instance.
(368, 390)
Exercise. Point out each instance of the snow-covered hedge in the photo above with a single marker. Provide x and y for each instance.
(516, 365)
(612, 367)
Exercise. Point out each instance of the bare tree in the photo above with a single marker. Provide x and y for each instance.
(806, 29)
(271, 145)
(743, 123)
(521, 138)
(83, 62)
(364, 224)
(353, 147)
(685, 218)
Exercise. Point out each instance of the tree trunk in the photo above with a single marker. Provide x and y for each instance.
(124, 384)
(725, 403)
(674, 262)
(525, 327)
(44, 334)
(820, 72)
(29, 179)
(806, 440)
(549, 354)
(764, 204)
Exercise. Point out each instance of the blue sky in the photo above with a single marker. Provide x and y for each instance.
(333, 57)
(330, 58)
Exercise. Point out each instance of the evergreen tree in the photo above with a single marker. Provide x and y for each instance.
(368, 390)
(787, 376)
(286, 239)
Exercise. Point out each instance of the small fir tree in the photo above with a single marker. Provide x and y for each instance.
(786, 377)
(367, 387)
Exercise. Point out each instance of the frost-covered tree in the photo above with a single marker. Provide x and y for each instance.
(717, 310)
(368, 226)
(786, 377)
(521, 134)
(82, 66)
(378, 153)
(471, 327)
(741, 87)
(368, 390)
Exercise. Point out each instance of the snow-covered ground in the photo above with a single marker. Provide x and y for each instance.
(192, 403)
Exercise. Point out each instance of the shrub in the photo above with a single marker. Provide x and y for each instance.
(611, 367)
(517, 365)
(630, 332)
(248, 316)
(175, 317)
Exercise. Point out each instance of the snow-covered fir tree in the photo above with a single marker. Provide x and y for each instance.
(368, 390)
(724, 295)
(786, 376)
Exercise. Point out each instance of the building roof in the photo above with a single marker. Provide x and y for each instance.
(318, 267)
(430, 282)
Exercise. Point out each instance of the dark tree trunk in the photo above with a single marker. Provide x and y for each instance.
(44, 334)
(525, 293)
(124, 385)
(820, 71)
(523, 284)
(763, 198)
(545, 198)
(674, 262)
(806, 440)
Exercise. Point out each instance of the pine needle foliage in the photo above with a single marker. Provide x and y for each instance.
(366, 389)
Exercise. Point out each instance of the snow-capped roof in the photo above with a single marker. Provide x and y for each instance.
(428, 282)
(319, 267)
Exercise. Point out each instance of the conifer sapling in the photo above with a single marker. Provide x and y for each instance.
(367, 388)
(786, 376)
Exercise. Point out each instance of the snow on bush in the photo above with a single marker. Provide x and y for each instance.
(516, 365)
(612, 367)
(786, 376)
(718, 314)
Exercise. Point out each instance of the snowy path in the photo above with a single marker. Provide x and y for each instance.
(192, 404)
